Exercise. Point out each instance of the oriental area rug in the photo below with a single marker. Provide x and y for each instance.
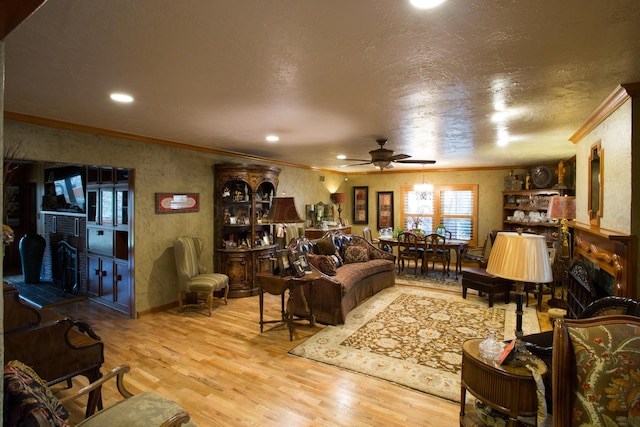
(412, 337)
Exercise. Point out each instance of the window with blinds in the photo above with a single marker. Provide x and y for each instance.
(453, 206)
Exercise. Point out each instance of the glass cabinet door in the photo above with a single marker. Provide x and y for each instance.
(107, 208)
(122, 207)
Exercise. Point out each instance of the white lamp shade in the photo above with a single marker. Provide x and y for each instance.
(521, 258)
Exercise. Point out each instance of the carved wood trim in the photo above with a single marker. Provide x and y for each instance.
(611, 252)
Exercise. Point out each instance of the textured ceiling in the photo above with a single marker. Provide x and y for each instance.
(329, 77)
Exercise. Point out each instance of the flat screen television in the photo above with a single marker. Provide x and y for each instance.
(72, 189)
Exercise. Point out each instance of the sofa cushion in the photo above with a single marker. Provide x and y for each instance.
(350, 274)
(336, 259)
(326, 246)
(24, 392)
(322, 263)
(356, 253)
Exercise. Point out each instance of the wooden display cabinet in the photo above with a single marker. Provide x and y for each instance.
(243, 243)
(527, 209)
(109, 243)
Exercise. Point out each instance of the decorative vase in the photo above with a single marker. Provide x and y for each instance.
(31, 252)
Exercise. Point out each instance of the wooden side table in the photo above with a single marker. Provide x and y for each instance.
(509, 388)
(277, 285)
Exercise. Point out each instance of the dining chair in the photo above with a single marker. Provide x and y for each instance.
(442, 231)
(409, 250)
(366, 233)
(436, 251)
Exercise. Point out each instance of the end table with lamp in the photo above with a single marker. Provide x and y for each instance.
(522, 258)
(509, 388)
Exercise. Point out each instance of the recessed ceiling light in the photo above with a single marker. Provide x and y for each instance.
(122, 97)
(426, 4)
(272, 138)
(341, 157)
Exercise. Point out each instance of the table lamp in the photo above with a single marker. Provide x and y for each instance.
(522, 258)
(564, 209)
(339, 198)
(283, 211)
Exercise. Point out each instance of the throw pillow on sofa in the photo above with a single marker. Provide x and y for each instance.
(326, 246)
(353, 254)
(26, 391)
(323, 263)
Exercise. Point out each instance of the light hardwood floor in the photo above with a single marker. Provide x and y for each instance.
(224, 372)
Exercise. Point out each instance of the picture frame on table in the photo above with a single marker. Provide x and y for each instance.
(360, 205)
(284, 264)
(385, 209)
(297, 268)
(304, 261)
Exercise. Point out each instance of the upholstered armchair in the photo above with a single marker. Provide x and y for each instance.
(29, 402)
(193, 278)
(596, 372)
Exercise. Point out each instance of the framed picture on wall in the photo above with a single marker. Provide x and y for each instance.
(360, 205)
(385, 209)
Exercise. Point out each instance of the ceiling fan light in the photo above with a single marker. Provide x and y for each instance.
(381, 164)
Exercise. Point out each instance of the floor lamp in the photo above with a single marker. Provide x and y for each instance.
(283, 211)
(522, 258)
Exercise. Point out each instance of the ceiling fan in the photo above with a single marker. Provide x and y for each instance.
(383, 158)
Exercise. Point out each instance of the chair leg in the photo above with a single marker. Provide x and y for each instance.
(180, 301)
(226, 294)
(210, 303)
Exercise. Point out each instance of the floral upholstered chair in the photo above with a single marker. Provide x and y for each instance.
(596, 372)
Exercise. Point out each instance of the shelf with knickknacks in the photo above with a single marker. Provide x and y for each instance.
(243, 242)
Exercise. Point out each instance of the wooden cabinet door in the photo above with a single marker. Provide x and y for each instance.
(93, 275)
(123, 297)
(237, 266)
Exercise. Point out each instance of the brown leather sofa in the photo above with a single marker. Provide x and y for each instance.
(332, 297)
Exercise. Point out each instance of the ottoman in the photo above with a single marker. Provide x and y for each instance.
(481, 281)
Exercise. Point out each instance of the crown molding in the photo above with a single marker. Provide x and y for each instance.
(618, 97)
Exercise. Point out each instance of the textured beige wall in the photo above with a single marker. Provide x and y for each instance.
(490, 186)
(157, 169)
(615, 136)
(168, 169)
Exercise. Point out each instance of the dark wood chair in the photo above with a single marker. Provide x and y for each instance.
(409, 250)
(594, 371)
(58, 348)
(442, 231)
(436, 252)
(366, 233)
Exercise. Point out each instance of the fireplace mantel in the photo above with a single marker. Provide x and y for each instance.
(612, 252)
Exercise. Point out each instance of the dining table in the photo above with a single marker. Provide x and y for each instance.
(459, 246)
